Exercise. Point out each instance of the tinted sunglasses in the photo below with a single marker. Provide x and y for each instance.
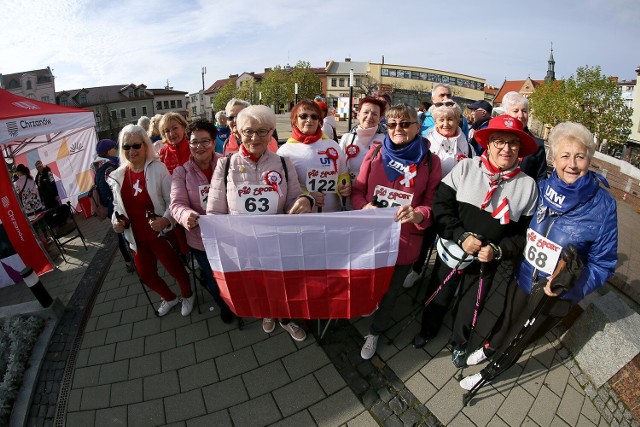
(129, 147)
(305, 116)
(403, 125)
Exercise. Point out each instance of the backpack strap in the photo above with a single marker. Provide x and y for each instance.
(376, 151)
(284, 167)
(226, 169)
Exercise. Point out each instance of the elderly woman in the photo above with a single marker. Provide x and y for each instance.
(402, 165)
(141, 187)
(176, 151)
(234, 106)
(357, 142)
(447, 141)
(189, 190)
(255, 166)
(564, 216)
(319, 162)
(482, 207)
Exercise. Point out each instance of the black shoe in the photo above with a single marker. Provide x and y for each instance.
(459, 358)
(227, 316)
(419, 341)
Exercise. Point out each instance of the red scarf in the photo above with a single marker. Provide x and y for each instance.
(245, 153)
(306, 139)
(175, 155)
(496, 176)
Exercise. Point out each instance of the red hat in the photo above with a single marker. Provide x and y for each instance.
(323, 105)
(508, 124)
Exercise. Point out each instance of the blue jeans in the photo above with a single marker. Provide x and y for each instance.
(212, 286)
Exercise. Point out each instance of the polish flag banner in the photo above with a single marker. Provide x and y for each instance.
(308, 266)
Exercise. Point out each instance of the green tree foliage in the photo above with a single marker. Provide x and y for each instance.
(275, 87)
(588, 97)
(223, 96)
(248, 91)
(309, 84)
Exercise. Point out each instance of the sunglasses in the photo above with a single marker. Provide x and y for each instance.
(446, 103)
(403, 125)
(129, 147)
(305, 116)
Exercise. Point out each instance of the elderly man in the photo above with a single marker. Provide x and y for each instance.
(517, 106)
(47, 186)
(441, 94)
(481, 111)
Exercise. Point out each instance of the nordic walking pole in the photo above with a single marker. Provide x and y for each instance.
(476, 310)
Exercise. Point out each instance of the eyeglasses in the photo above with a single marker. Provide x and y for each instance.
(260, 132)
(305, 116)
(231, 118)
(204, 142)
(134, 146)
(500, 143)
(446, 103)
(403, 125)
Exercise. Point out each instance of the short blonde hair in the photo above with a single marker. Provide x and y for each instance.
(401, 111)
(574, 132)
(166, 119)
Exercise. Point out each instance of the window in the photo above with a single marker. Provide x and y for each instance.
(134, 112)
(29, 87)
(98, 117)
(173, 103)
(341, 81)
(179, 103)
(144, 110)
(334, 82)
(194, 111)
(83, 98)
(123, 113)
(166, 105)
(64, 101)
(45, 98)
(131, 93)
(358, 81)
(114, 115)
(158, 105)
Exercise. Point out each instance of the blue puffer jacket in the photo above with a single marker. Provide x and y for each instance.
(592, 227)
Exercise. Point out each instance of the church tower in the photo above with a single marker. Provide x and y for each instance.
(551, 73)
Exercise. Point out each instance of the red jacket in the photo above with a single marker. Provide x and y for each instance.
(174, 155)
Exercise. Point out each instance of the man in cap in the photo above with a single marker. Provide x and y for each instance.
(47, 186)
(481, 111)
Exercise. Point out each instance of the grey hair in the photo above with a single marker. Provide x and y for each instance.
(513, 98)
(220, 114)
(259, 113)
(573, 132)
(444, 85)
(144, 121)
(235, 101)
(400, 111)
(443, 109)
(134, 130)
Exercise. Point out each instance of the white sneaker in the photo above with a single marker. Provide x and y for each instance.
(166, 306)
(476, 357)
(469, 382)
(268, 325)
(296, 332)
(369, 347)
(411, 279)
(187, 304)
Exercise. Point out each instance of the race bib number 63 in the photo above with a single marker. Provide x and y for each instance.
(542, 253)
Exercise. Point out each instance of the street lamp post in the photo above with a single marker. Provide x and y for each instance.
(296, 90)
(260, 97)
(350, 97)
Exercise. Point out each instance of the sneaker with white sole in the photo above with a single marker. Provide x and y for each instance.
(268, 325)
(369, 347)
(187, 304)
(476, 357)
(166, 306)
(469, 382)
(411, 279)
(296, 332)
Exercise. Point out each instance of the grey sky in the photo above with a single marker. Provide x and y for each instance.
(94, 43)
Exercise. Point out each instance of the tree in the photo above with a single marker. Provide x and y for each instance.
(589, 98)
(275, 87)
(309, 84)
(223, 96)
(248, 91)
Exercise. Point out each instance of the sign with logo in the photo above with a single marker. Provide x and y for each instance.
(388, 197)
(543, 254)
(257, 200)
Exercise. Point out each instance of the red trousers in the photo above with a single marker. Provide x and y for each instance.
(146, 258)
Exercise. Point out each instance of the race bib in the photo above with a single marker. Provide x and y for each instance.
(542, 253)
(203, 192)
(257, 199)
(322, 180)
(388, 197)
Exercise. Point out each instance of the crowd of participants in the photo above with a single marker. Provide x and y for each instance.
(478, 190)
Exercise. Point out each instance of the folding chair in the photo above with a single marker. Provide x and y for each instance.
(62, 227)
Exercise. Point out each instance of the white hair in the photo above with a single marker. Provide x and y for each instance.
(513, 99)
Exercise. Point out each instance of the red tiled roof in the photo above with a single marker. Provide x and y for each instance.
(513, 85)
(217, 85)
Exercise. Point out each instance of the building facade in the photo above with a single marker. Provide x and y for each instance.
(35, 84)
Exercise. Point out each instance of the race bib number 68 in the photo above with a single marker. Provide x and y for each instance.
(542, 253)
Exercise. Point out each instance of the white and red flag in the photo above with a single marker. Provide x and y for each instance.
(309, 266)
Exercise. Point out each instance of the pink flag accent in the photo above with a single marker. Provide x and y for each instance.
(311, 266)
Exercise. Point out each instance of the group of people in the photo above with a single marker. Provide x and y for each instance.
(479, 200)
(36, 194)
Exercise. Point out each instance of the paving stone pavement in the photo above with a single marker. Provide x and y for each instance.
(133, 368)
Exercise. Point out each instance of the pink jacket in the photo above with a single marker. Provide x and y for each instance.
(424, 189)
(189, 192)
(244, 171)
